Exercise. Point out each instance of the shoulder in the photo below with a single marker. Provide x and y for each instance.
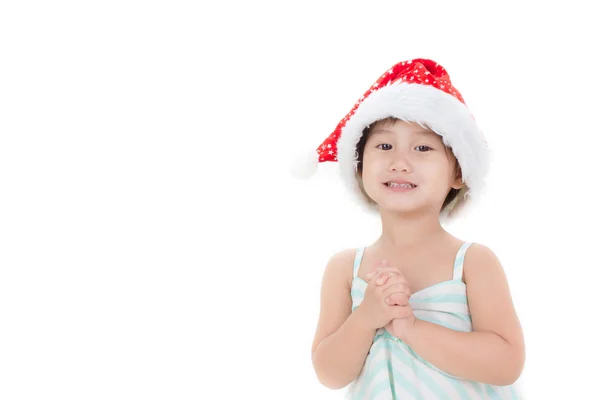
(343, 256)
(340, 265)
(480, 261)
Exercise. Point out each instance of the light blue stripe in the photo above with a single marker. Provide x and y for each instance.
(400, 380)
(372, 370)
(444, 298)
(360, 394)
(461, 316)
(381, 387)
(492, 393)
(357, 294)
(441, 284)
(464, 317)
(459, 388)
(359, 282)
(406, 384)
(477, 386)
(391, 373)
(357, 259)
(414, 366)
(387, 384)
(514, 394)
(421, 376)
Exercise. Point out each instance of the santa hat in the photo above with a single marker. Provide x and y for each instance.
(420, 91)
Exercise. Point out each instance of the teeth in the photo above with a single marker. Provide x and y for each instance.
(402, 185)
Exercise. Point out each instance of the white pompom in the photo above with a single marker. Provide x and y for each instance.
(305, 165)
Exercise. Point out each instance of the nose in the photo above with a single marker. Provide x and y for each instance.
(399, 161)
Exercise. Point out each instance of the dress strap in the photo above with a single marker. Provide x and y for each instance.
(359, 254)
(459, 261)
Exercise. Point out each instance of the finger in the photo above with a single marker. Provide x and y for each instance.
(388, 268)
(396, 288)
(383, 277)
(373, 271)
(377, 266)
(388, 271)
(378, 270)
(371, 274)
(396, 284)
(397, 299)
(382, 273)
(394, 279)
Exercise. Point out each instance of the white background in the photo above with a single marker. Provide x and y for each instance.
(152, 242)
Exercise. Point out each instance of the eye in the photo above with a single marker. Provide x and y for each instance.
(383, 144)
(424, 146)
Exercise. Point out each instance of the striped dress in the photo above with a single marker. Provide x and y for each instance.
(393, 371)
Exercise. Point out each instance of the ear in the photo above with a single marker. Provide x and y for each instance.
(458, 184)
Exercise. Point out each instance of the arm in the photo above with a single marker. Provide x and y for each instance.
(478, 356)
(341, 342)
(495, 352)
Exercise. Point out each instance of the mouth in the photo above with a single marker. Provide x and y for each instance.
(395, 185)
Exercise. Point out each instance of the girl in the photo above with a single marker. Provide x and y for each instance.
(418, 314)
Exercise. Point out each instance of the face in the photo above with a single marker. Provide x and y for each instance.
(401, 151)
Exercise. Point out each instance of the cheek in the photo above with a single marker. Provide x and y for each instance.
(373, 163)
(371, 168)
(369, 178)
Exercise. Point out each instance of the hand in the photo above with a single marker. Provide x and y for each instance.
(398, 327)
(384, 300)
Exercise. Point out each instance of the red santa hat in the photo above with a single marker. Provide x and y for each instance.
(420, 91)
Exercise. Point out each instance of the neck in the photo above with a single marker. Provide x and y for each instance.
(409, 230)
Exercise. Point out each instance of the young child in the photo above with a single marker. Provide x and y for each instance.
(418, 314)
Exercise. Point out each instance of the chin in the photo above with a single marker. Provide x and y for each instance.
(399, 210)
(405, 205)
(396, 206)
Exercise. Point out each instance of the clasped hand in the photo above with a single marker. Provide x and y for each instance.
(387, 300)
